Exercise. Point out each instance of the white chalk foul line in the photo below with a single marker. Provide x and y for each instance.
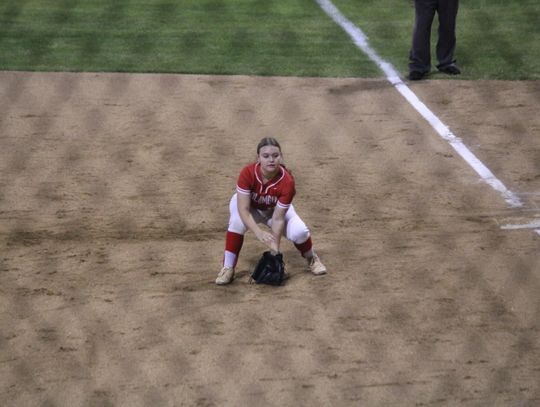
(531, 225)
(361, 41)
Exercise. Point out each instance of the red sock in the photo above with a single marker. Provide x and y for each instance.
(233, 245)
(304, 247)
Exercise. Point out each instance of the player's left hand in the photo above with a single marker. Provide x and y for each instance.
(268, 239)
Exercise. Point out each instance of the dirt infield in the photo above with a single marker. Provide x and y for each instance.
(114, 195)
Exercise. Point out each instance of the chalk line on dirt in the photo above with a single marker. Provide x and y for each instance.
(361, 41)
(534, 224)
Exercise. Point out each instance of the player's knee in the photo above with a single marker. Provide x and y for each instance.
(237, 226)
(299, 235)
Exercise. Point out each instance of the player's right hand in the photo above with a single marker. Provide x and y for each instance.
(267, 238)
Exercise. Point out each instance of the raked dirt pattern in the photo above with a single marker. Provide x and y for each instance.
(114, 194)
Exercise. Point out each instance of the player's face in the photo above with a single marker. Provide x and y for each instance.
(269, 158)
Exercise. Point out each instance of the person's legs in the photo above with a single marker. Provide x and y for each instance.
(297, 232)
(446, 42)
(233, 243)
(235, 235)
(420, 55)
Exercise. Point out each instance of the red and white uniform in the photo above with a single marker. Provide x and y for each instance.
(278, 191)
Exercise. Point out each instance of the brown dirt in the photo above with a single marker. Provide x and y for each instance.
(113, 209)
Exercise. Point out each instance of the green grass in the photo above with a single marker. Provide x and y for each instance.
(501, 39)
(496, 38)
(261, 37)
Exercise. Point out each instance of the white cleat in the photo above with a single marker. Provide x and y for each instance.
(316, 266)
(225, 276)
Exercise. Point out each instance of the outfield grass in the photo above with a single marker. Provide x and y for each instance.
(192, 36)
(496, 39)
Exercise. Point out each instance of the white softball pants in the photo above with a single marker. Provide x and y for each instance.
(295, 229)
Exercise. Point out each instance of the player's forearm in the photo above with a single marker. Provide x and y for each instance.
(277, 230)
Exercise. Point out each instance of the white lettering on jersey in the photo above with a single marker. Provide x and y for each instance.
(268, 200)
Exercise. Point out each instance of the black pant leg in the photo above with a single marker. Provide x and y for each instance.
(420, 54)
(446, 43)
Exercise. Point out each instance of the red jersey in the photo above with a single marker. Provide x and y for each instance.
(278, 191)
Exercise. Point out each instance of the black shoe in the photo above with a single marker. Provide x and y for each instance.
(416, 75)
(451, 69)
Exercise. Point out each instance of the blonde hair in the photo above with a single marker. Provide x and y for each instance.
(268, 141)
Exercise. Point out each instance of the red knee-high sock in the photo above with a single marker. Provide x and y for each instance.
(233, 245)
(305, 247)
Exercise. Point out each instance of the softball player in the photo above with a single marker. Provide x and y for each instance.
(264, 194)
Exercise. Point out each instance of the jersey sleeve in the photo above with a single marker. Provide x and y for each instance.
(244, 184)
(287, 194)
